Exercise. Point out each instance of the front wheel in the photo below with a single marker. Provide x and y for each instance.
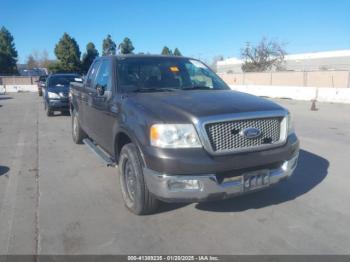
(136, 196)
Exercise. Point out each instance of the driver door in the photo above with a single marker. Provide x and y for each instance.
(103, 117)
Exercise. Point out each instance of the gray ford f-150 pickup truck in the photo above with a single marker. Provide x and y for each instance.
(177, 132)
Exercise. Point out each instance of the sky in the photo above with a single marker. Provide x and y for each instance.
(199, 28)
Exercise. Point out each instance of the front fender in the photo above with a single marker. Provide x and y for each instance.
(134, 139)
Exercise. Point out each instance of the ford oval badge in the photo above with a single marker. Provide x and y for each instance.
(250, 132)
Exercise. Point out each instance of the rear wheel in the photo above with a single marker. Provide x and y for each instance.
(78, 133)
(136, 196)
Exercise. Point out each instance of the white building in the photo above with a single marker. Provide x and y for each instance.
(330, 60)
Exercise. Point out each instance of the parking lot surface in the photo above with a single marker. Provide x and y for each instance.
(58, 198)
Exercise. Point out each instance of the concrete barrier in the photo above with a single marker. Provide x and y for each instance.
(321, 94)
(335, 95)
(18, 88)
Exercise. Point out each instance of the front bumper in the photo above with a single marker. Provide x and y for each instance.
(197, 161)
(209, 188)
(59, 104)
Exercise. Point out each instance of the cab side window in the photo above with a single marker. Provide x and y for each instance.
(90, 80)
(104, 78)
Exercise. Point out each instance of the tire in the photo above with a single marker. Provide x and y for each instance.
(136, 196)
(48, 110)
(78, 133)
(40, 93)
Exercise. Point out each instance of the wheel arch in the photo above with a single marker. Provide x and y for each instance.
(122, 138)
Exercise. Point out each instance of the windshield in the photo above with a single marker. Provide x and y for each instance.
(61, 80)
(164, 74)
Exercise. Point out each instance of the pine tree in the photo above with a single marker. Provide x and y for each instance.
(166, 51)
(68, 55)
(177, 52)
(88, 57)
(126, 47)
(108, 46)
(8, 53)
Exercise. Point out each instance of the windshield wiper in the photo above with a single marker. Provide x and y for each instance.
(198, 87)
(140, 90)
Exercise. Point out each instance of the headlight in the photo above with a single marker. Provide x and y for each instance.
(174, 136)
(287, 127)
(53, 95)
(290, 124)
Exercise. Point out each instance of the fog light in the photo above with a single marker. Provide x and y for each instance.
(290, 164)
(285, 166)
(185, 184)
(293, 162)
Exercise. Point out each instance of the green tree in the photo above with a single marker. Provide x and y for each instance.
(88, 57)
(166, 51)
(108, 46)
(266, 55)
(54, 67)
(177, 52)
(126, 47)
(68, 55)
(8, 53)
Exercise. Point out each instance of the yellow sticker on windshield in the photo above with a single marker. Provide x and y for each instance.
(174, 69)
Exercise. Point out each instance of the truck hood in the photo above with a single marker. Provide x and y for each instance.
(181, 106)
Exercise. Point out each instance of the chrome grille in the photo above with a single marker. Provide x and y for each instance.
(225, 136)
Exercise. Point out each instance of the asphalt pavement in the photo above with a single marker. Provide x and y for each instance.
(58, 198)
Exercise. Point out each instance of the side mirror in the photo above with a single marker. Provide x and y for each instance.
(100, 90)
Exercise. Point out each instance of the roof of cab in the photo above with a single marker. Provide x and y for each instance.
(64, 74)
(121, 57)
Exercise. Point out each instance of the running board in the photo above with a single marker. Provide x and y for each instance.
(100, 153)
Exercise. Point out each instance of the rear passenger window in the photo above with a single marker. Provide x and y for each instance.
(92, 74)
(103, 77)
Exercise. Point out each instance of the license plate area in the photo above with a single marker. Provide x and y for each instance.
(255, 180)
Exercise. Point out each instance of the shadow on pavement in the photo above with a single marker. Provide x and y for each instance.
(167, 207)
(311, 170)
(5, 97)
(4, 170)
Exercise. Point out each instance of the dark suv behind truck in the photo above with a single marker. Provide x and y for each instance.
(41, 84)
(57, 91)
(178, 133)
